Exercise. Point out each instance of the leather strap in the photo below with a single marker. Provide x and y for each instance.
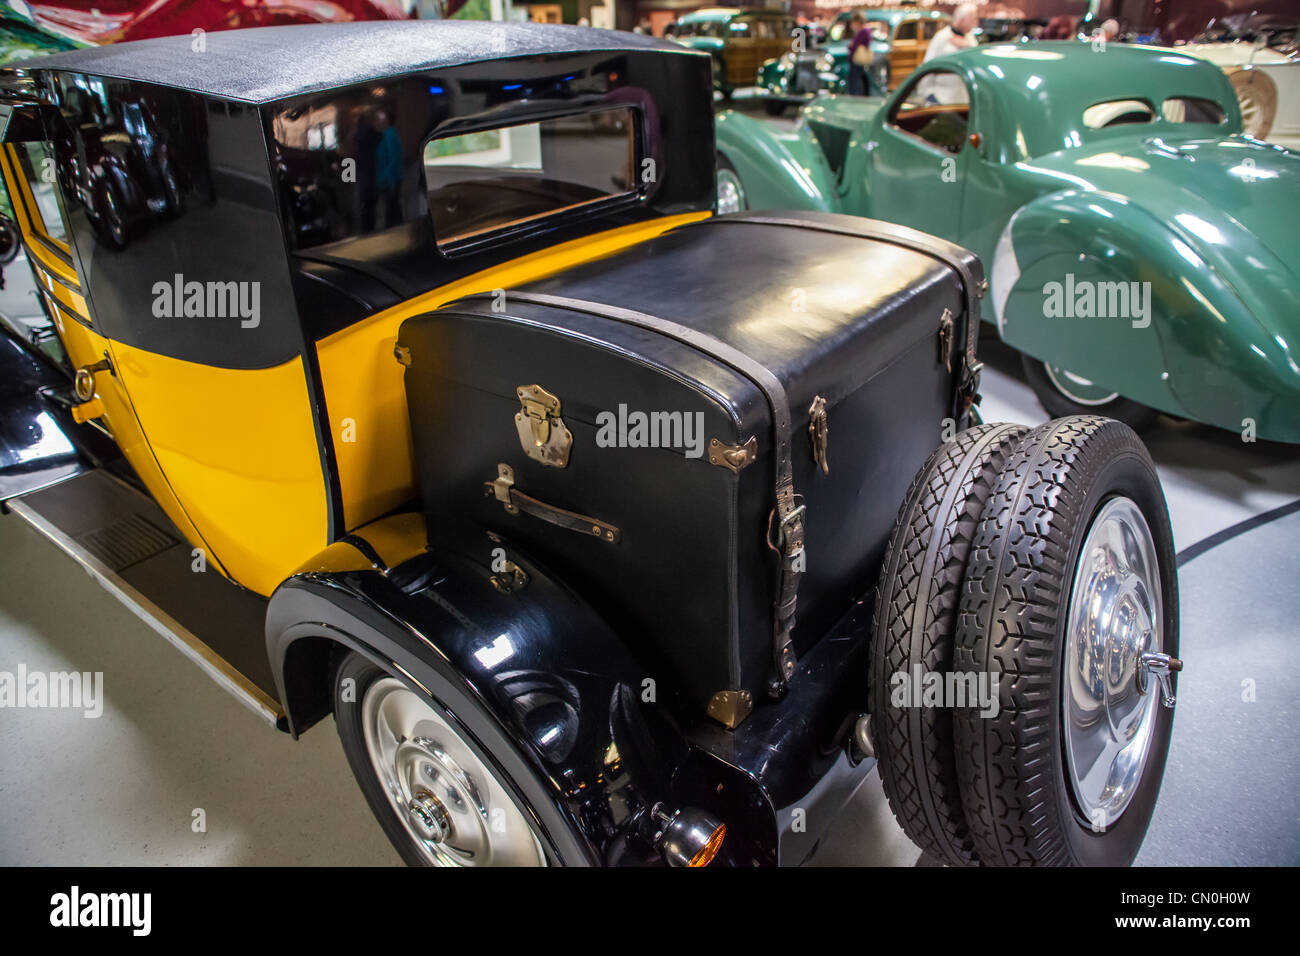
(788, 513)
(515, 501)
(583, 524)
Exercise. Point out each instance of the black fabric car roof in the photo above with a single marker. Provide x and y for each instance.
(271, 63)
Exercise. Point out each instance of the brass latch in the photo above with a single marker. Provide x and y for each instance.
(945, 339)
(819, 432)
(542, 431)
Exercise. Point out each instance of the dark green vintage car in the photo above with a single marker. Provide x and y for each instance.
(1141, 248)
(738, 39)
(899, 39)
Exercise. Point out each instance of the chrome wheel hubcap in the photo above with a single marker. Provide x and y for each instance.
(456, 810)
(731, 194)
(1077, 388)
(1114, 634)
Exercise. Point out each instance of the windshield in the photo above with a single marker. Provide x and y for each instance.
(700, 28)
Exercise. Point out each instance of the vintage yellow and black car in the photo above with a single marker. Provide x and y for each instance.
(403, 372)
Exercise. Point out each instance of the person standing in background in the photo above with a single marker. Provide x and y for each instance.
(859, 54)
(389, 169)
(1108, 32)
(958, 35)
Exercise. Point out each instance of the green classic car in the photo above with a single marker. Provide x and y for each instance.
(1142, 250)
(738, 39)
(899, 39)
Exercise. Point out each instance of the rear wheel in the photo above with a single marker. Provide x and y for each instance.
(1063, 393)
(439, 799)
(916, 616)
(731, 191)
(1070, 615)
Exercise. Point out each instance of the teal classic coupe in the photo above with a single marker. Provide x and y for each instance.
(899, 39)
(1142, 251)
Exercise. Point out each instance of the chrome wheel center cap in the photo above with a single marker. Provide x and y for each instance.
(429, 817)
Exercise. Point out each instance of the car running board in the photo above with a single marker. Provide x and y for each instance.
(120, 536)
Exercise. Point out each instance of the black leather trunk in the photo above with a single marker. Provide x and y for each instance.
(691, 581)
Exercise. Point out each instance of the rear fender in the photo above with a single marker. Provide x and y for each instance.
(544, 687)
(779, 169)
(1185, 357)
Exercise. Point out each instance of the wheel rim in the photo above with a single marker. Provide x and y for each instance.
(1252, 112)
(731, 194)
(1115, 617)
(1077, 388)
(452, 805)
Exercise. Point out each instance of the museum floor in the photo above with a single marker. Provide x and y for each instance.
(122, 789)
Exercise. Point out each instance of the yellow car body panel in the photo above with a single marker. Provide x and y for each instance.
(240, 452)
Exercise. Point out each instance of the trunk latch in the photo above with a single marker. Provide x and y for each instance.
(542, 432)
(819, 432)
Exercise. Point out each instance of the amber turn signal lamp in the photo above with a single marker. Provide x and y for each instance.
(690, 837)
(710, 849)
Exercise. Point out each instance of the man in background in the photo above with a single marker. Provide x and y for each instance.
(958, 35)
(1108, 32)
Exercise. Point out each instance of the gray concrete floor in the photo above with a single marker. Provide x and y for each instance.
(123, 788)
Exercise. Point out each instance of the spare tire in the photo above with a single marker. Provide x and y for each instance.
(915, 619)
(1070, 609)
(1257, 97)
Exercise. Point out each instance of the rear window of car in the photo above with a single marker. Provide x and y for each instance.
(486, 181)
(1118, 113)
(1191, 109)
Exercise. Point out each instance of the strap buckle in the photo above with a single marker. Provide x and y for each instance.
(787, 542)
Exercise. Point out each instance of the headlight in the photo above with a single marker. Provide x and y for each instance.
(825, 63)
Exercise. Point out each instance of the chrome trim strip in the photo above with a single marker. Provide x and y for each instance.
(213, 664)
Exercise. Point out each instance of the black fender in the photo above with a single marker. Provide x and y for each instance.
(543, 687)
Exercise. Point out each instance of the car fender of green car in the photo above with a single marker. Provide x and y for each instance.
(780, 169)
(1193, 220)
